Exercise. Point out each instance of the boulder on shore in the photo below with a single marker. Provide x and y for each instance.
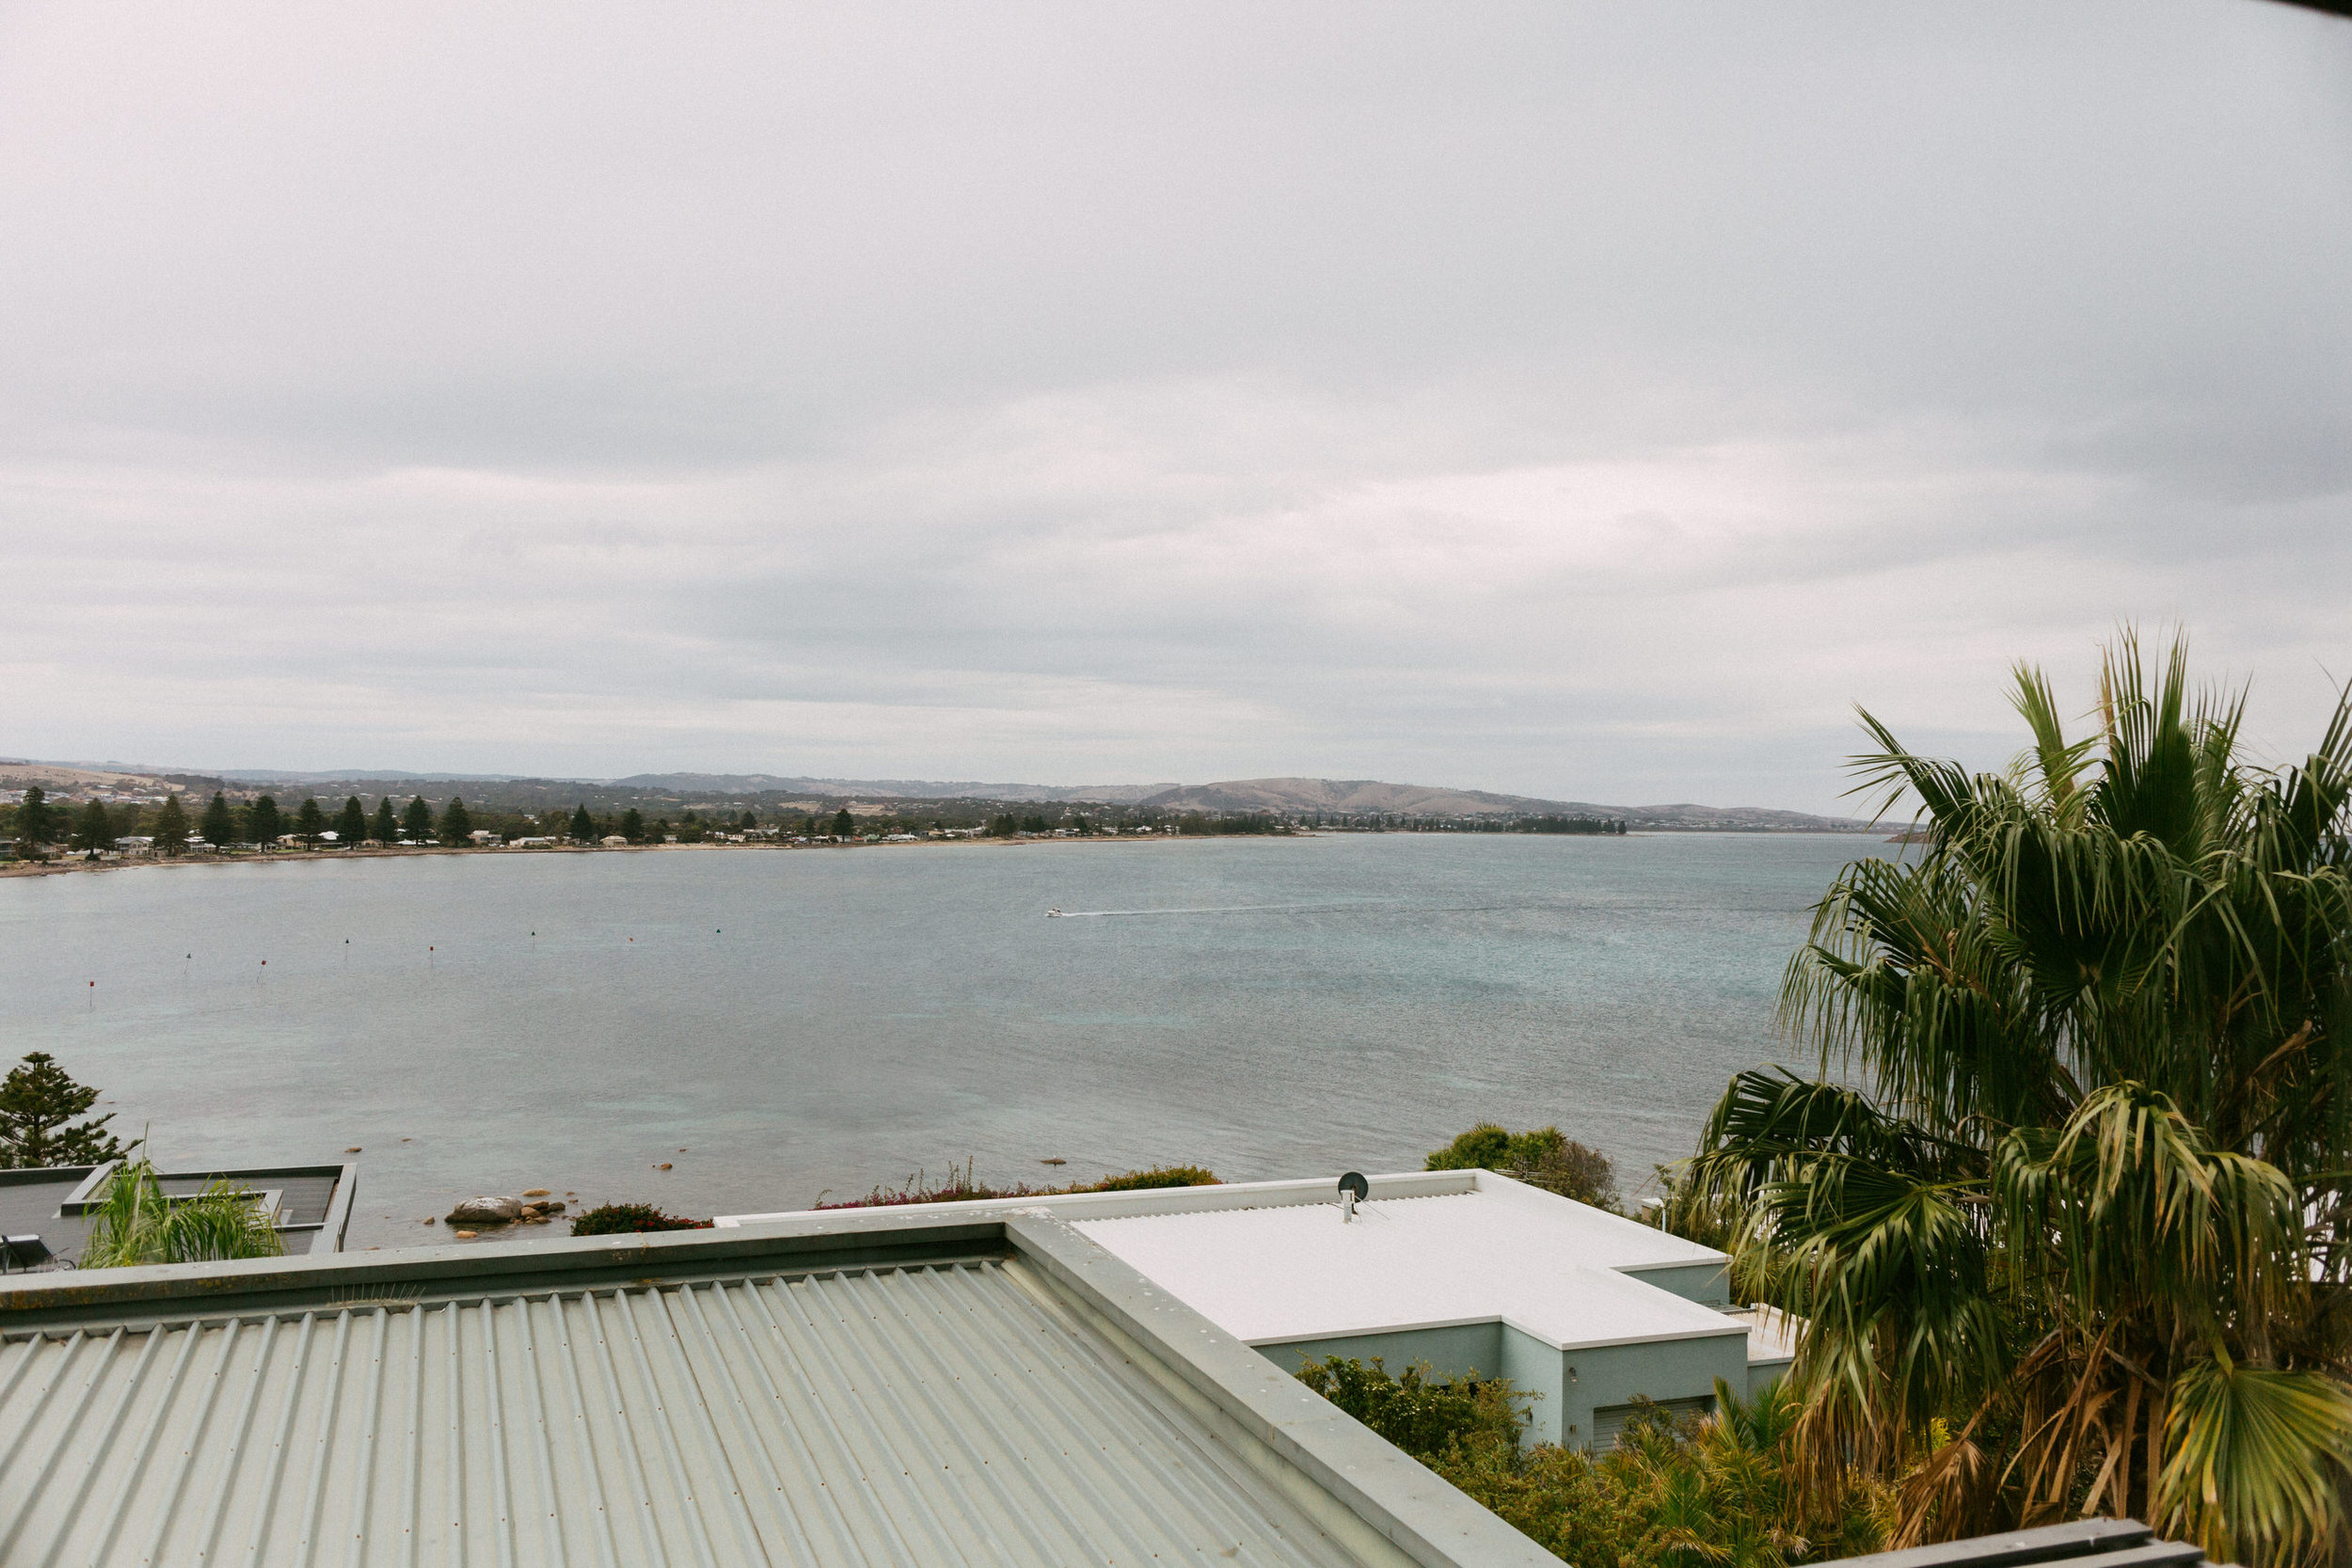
(486, 1211)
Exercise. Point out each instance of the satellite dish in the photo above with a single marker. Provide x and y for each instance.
(1354, 1189)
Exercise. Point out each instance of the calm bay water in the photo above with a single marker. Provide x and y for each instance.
(813, 1019)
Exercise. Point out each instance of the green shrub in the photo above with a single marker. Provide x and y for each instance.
(1427, 1419)
(622, 1219)
(1485, 1146)
(1722, 1491)
(1544, 1157)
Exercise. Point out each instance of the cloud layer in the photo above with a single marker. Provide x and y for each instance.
(1585, 402)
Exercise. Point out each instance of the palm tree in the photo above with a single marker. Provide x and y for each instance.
(2065, 1210)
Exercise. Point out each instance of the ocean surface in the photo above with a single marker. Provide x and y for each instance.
(781, 1025)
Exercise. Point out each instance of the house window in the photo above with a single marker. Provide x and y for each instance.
(1609, 1420)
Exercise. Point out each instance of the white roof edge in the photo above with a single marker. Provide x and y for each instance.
(1266, 1195)
(1727, 1330)
(1165, 1200)
(1519, 1192)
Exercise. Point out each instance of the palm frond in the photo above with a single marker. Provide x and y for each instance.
(2085, 1067)
(2259, 1458)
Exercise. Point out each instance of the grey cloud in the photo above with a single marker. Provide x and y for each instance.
(1567, 399)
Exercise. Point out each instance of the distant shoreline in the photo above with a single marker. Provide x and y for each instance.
(72, 862)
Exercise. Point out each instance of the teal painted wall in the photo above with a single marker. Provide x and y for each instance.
(1763, 1374)
(1454, 1351)
(1666, 1369)
(1709, 1284)
(1568, 1384)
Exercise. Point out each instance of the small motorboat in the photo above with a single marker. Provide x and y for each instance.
(1054, 914)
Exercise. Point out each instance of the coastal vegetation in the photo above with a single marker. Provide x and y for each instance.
(960, 1185)
(2064, 1207)
(1545, 1158)
(627, 1219)
(1732, 1489)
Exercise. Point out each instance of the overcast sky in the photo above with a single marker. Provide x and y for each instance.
(1584, 400)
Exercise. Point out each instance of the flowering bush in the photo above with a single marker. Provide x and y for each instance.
(622, 1219)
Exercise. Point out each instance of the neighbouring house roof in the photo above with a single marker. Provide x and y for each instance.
(865, 1388)
(1543, 1264)
(312, 1202)
(1271, 1261)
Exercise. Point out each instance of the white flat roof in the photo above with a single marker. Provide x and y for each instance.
(1547, 1267)
(1271, 1261)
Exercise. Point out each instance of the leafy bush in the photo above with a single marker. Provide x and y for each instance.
(623, 1219)
(1485, 1146)
(1545, 1157)
(139, 1222)
(1427, 1420)
(1722, 1491)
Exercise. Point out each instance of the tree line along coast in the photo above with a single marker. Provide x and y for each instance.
(39, 827)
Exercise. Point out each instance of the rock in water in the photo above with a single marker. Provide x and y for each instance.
(487, 1211)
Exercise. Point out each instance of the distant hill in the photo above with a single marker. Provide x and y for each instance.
(1371, 796)
(1353, 796)
(888, 789)
(1341, 796)
(361, 775)
(56, 776)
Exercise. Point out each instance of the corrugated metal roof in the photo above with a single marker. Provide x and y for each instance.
(947, 1413)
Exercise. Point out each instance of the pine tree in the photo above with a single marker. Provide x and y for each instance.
(583, 825)
(220, 823)
(844, 825)
(352, 825)
(456, 822)
(36, 819)
(748, 821)
(310, 821)
(383, 829)
(262, 822)
(633, 825)
(38, 1101)
(93, 829)
(171, 826)
(417, 821)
